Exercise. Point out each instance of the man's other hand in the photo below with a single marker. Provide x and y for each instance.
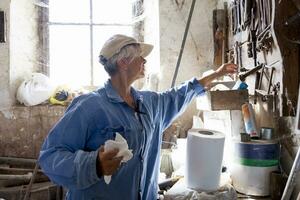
(108, 162)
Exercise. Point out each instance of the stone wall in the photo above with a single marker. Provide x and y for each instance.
(23, 129)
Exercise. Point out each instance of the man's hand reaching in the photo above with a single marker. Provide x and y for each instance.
(227, 68)
(224, 69)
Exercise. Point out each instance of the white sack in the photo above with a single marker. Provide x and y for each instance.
(35, 90)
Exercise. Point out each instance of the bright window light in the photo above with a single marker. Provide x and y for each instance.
(112, 11)
(77, 11)
(77, 31)
(69, 52)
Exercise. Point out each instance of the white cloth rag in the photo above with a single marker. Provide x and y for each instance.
(121, 144)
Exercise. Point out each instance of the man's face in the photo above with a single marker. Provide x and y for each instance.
(136, 69)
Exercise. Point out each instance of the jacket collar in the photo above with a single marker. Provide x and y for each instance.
(113, 95)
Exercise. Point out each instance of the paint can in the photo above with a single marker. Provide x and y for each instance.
(266, 133)
(249, 120)
(253, 163)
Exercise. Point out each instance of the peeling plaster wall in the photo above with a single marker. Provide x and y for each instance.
(18, 54)
(198, 52)
(22, 129)
(151, 36)
(5, 100)
(24, 39)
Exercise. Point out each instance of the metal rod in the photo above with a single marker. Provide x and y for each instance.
(292, 178)
(183, 42)
(28, 190)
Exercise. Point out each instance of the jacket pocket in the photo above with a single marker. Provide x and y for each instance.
(101, 136)
(109, 133)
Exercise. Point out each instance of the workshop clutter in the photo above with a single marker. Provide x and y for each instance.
(40, 89)
(16, 174)
(251, 13)
(254, 19)
(62, 96)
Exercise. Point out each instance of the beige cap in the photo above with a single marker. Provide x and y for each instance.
(114, 45)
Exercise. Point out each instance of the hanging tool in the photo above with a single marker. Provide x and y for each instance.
(252, 50)
(265, 94)
(270, 80)
(183, 42)
(237, 53)
(234, 18)
(243, 76)
(261, 76)
(247, 14)
(252, 53)
(276, 89)
(265, 39)
(239, 16)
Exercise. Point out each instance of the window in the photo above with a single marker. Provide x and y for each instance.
(77, 31)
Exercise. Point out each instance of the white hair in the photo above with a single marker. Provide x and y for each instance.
(129, 52)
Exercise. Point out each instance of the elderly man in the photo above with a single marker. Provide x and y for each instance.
(73, 155)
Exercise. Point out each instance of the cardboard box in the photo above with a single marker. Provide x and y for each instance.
(222, 100)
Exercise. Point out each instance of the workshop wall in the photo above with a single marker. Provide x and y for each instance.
(18, 54)
(198, 52)
(23, 129)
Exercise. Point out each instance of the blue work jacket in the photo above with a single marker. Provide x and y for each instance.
(68, 155)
